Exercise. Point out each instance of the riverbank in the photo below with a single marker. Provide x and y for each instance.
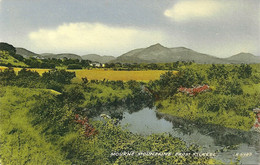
(201, 109)
(41, 128)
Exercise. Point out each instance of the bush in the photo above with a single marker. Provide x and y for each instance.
(229, 87)
(18, 57)
(74, 66)
(7, 77)
(28, 78)
(60, 76)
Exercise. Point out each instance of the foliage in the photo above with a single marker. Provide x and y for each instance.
(45, 131)
(229, 87)
(7, 60)
(170, 82)
(244, 71)
(27, 78)
(55, 79)
(73, 95)
(230, 103)
(7, 47)
(74, 66)
(7, 77)
(217, 72)
(21, 142)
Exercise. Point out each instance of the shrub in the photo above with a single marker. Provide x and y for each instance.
(74, 66)
(60, 76)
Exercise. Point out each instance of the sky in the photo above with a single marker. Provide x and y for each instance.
(112, 27)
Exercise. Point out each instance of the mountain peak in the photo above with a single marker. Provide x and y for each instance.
(155, 47)
(244, 53)
(244, 58)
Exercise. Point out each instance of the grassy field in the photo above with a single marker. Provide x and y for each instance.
(100, 74)
(5, 58)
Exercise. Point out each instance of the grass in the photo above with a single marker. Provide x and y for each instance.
(100, 74)
(189, 111)
(5, 58)
(251, 89)
(104, 94)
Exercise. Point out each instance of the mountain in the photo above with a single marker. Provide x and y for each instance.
(60, 56)
(26, 53)
(160, 54)
(98, 58)
(152, 54)
(247, 58)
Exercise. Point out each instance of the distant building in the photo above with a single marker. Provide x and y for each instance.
(96, 64)
(38, 57)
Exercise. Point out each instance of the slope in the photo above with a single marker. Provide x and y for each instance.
(7, 60)
(98, 58)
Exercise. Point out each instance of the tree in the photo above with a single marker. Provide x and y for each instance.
(7, 77)
(188, 78)
(74, 66)
(229, 87)
(217, 72)
(7, 47)
(73, 95)
(244, 71)
(60, 76)
(27, 78)
(18, 57)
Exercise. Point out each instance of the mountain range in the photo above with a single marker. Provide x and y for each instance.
(92, 57)
(152, 54)
(98, 58)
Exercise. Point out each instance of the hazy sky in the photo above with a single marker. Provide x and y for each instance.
(113, 27)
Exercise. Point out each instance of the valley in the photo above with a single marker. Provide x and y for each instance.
(57, 115)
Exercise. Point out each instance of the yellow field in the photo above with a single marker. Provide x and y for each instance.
(40, 71)
(119, 75)
(100, 74)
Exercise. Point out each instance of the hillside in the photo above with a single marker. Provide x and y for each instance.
(160, 54)
(244, 58)
(6, 59)
(26, 53)
(98, 58)
(60, 56)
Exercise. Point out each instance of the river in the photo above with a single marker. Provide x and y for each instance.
(228, 143)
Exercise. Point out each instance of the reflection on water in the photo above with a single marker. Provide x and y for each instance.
(228, 142)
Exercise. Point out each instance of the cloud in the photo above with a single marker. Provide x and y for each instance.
(86, 37)
(196, 9)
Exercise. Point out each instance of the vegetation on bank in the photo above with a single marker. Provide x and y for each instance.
(42, 127)
(229, 103)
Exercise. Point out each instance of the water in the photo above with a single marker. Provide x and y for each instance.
(229, 142)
